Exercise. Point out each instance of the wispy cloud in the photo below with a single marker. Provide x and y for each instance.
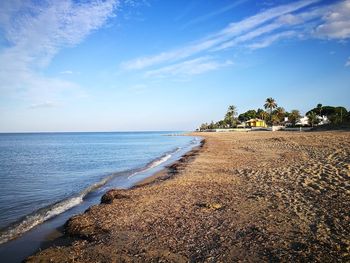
(271, 39)
(35, 31)
(336, 23)
(248, 36)
(281, 24)
(210, 15)
(265, 16)
(188, 68)
(297, 20)
(227, 34)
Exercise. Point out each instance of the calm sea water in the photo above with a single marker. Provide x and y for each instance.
(45, 174)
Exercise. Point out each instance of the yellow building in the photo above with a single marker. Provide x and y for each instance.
(256, 123)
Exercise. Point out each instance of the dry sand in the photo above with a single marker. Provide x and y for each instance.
(249, 197)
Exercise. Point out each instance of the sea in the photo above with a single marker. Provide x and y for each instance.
(45, 178)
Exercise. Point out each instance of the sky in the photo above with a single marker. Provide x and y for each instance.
(127, 65)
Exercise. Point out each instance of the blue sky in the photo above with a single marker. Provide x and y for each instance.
(166, 65)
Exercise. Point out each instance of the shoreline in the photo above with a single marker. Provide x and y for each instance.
(56, 236)
(170, 170)
(248, 196)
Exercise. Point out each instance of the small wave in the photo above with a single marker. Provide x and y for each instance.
(43, 214)
(195, 140)
(152, 164)
(38, 217)
(30, 221)
(160, 161)
(178, 149)
(157, 162)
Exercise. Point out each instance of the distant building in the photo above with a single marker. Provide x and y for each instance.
(303, 121)
(323, 120)
(256, 123)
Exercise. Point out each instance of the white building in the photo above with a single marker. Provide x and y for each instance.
(323, 120)
(303, 121)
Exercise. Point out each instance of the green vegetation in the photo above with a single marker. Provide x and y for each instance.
(336, 115)
(312, 117)
(262, 114)
(251, 114)
(270, 104)
(274, 115)
(294, 116)
(278, 115)
(230, 117)
(230, 121)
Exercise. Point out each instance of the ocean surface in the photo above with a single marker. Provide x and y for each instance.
(43, 175)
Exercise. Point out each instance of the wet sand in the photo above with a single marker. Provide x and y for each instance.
(257, 196)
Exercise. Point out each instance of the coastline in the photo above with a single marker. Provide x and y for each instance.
(171, 170)
(51, 232)
(262, 197)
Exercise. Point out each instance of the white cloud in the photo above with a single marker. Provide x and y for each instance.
(52, 25)
(300, 22)
(249, 36)
(268, 15)
(210, 15)
(188, 68)
(347, 63)
(336, 23)
(271, 39)
(225, 35)
(35, 31)
(290, 19)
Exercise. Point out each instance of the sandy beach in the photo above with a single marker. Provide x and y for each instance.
(241, 197)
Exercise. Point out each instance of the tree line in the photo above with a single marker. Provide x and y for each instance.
(272, 114)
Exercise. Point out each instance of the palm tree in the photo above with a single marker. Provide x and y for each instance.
(312, 116)
(263, 115)
(294, 116)
(203, 127)
(270, 104)
(280, 113)
(319, 109)
(230, 115)
(275, 119)
(232, 111)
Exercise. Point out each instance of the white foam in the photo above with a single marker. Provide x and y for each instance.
(157, 162)
(63, 206)
(160, 161)
(41, 216)
(44, 214)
